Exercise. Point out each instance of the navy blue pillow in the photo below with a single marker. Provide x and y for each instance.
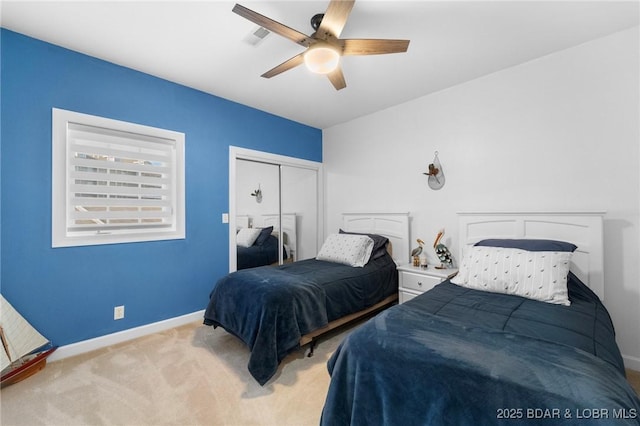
(264, 236)
(379, 243)
(529, 245)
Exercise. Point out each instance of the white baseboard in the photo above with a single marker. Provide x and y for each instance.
(631, 362)
(123, 336)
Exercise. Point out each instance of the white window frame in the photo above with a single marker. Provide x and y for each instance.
(167, 214)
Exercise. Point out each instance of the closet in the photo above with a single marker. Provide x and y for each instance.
(272, 190)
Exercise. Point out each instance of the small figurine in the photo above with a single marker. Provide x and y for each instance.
(442, 252)
(435, 174)
(415, 253)
(433, 171)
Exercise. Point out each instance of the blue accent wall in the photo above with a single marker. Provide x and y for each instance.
(69, 294)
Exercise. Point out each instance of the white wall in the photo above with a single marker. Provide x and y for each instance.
(554, 134)
(249, 176)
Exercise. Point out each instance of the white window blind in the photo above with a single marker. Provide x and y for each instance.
(122, 182)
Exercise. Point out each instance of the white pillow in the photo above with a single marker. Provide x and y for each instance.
(247, 236)
(348, 249)
(538, 275)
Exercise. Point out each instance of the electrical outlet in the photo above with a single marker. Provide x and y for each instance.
(118, 312)
(225, 217)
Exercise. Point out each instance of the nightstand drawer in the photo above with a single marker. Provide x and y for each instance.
(418, 282)
(405, 296)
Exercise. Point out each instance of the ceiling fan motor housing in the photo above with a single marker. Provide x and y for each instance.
(316, 20)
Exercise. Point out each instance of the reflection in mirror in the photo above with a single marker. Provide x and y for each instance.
(270, 190)
(257, 214)
(300, 210)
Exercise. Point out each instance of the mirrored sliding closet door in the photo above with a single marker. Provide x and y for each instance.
(274, 206)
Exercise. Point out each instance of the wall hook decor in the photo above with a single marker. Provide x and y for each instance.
(435, 173)
(258, 194)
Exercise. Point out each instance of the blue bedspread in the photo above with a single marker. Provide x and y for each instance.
(464, 357)
(259, 255)
(271, 308)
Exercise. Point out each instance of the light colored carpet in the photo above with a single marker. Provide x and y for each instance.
(634, 379)
(191, 375)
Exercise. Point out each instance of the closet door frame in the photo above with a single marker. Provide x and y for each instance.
(237, 153)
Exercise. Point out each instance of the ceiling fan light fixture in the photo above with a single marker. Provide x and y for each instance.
(324, 46)
(321, 59)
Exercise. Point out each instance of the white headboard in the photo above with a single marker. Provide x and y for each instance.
(289, 233)
(242, 221)
(394, 226)
(582, 229)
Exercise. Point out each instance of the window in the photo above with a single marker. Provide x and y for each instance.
(115, 182)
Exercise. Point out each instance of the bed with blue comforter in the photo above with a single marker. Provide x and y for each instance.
(460, 356)
(259, 254)
(270, 308)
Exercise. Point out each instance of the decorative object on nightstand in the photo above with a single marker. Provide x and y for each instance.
(414, 281)
(442, 252)
(435, 173)
(415, 253)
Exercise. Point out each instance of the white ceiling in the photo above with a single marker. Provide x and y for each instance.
(200, 44)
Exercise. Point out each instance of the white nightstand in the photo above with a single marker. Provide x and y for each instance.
(415, 280)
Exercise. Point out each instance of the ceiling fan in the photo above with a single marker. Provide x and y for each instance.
(324, 46)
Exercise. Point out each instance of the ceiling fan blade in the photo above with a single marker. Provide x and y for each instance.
(285, 66)
(335, 18)
(273, 26)
(373, 46)
(337, 78)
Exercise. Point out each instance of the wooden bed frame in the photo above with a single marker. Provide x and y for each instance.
(394, 226)
(584, 229)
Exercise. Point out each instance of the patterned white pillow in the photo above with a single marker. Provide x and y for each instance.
(538, 275)
(247, 236)
(348, 249)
